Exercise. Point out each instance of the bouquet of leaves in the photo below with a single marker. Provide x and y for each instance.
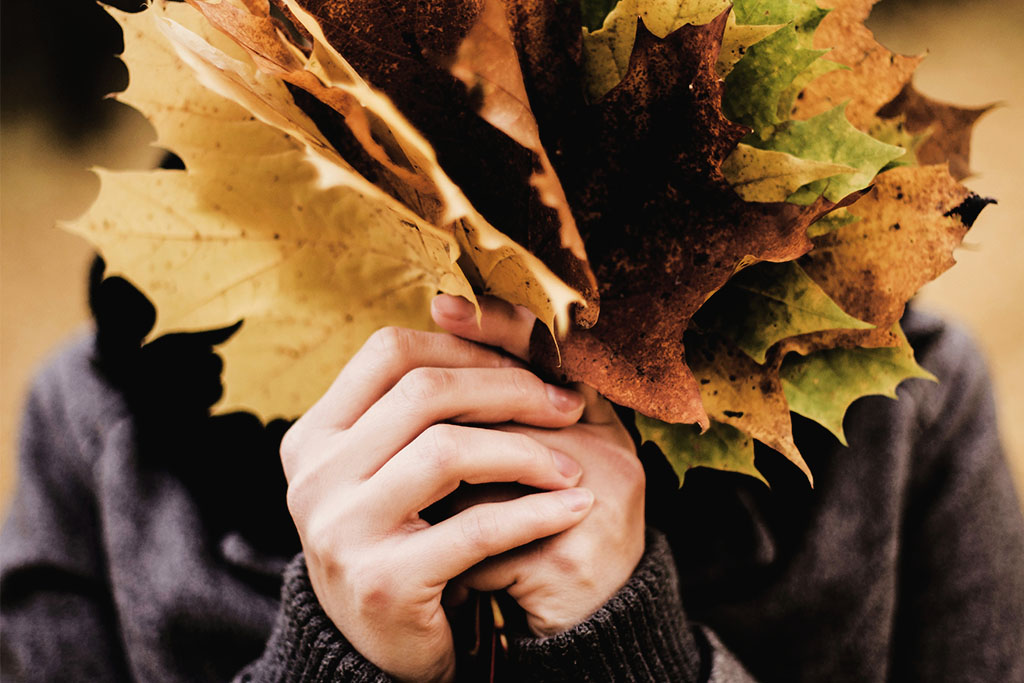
(716, 209)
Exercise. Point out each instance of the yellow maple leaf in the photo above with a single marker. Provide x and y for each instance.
(269, 224)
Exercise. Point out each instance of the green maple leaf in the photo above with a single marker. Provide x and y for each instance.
(756, 84)
(721, 447)
(805, 15)
(894, 132)
(830, 137)
(764, 175)
(761, 87)
(770, 302)
(822, 385)
(811, 73)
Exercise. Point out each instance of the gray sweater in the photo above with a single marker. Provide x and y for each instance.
(136, 551)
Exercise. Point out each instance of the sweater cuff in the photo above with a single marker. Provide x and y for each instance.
(640, 634)
(305, 644)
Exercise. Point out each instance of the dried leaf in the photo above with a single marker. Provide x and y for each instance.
(947, 127)
(487, 63)
(873, 76)
(498, 265)
(905, 237)
(721, 447)
(822, 385)
(663, 228)
(770, 302)
(763, 175)
(741, 393)
(405, 50)
(197, 243)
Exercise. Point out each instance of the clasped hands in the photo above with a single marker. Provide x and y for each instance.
(409, 418)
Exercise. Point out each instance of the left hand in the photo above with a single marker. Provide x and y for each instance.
(561, 580)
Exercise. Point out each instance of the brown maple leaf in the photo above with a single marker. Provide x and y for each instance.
(948, 127)
(909, 225)
(487, 63)
(663, 228)
(873, 76)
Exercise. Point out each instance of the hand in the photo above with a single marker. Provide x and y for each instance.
(562, 580)
(388, 439)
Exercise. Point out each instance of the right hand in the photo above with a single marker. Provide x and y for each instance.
(388, 439)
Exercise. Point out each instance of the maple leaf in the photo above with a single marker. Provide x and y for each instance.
(822, 385)
(198, 244)
(829, 137)
(762, 83)
(764, 175)
(872, 75)
(905, 235)
(739, 392)
(672, 232)
(607, 50)
(759, 80)
(721, 447)
(763, 305)
(406, 51)
(947, 128)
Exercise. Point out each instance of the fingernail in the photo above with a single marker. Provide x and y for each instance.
(565, 465)
(566, 400)
(577, 499)
(454, 307)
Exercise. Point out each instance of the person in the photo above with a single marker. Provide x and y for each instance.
(148, 540)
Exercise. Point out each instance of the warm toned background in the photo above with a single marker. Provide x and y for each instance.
(976, 57)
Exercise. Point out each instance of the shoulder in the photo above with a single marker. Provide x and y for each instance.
(71, 406)
(963, 393)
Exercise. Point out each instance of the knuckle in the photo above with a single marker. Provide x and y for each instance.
(299, 499)
(536, 454)
(389, 342)
(440, 447)
(481, 529)
(373, 588)
(421, 385)
(292, 447)
(525, 384)
(633, 470)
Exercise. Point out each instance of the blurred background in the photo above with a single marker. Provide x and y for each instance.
(57, 63)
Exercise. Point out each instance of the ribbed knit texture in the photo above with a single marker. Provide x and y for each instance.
(305, 644)
(641, 634)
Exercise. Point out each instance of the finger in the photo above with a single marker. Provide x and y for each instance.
(599, 410)
(385, 358)
(451, 547)
(427, 396)
(501, 324)
(494, 573)
(443, 456)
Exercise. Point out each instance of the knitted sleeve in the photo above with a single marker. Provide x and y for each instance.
(641, 634)
(306, 645)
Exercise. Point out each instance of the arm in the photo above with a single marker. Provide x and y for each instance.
(961, 607)
(391, 437)
(602, 604)
(58, 617)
